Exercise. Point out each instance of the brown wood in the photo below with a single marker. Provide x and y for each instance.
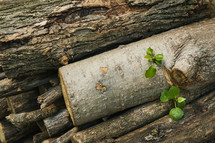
(39, 137)
(24, 118)
(50, 96)
(4, 109)
(131, 119)
(11, 134)
(197, 125)
(23, 102)
(49, 34)
(58, 123)
(90, 93)
(65, 138)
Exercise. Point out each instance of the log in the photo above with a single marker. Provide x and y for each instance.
(105, 84)
(131, 119)
(65, 138)
(10, 134)
(11, 87)
(23, 102)
(41, 36)
(50, 96)
(22, 119)
(58, 123)
(39, 137)
(197, 125)
(4, 110)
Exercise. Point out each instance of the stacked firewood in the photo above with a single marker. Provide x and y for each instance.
(105, 98)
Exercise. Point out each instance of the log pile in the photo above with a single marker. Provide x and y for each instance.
(104, 96)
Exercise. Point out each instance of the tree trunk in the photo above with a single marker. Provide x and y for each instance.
(39, 36)
(105, 84)
(197, 126)
(58, 123)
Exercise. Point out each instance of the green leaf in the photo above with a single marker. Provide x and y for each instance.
(181, 105)
(174, 92)
(148, 57)
(158, 62)
(176, 113)
(150, 73)
(159, 57)
(181, 99)
(149, 51)
(164, 96)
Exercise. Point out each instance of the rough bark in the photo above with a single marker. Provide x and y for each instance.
(11, 87)
(22, 119)
(23, 102)
(39, 137)
(38, 36)
(105, 84)
(4, 109)
(131, 119)
(65, 138)
(10, 134)
(197, 125)
(50, 96)
(58, 123)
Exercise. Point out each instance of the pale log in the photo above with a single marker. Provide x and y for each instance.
(58, 123)
(39, 36)
(105, 84)
(24, 118)
(197, 126)
(50, 96)
(131, 119)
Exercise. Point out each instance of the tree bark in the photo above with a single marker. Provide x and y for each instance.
(58, 123)
(4, 109)
(197, 126)
(10, 134)
(131, 119)
(105, 84)
(65, 138)
(50, 96)
(39, 36)
(22, 119)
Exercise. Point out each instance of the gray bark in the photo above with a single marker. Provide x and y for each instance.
(39, 36)
(197, 126)
(105, 84)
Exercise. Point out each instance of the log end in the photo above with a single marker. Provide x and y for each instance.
(66, 97)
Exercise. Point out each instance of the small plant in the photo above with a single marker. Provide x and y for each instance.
(151, 71)
(179, 102)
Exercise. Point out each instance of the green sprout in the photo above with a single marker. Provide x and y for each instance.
(179, 102)
(150, 73)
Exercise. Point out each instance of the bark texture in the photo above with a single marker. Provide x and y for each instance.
(38, 36)
(105, 84)
(58, 123)
(197, 126)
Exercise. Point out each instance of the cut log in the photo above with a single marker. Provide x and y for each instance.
(43, 35)
(39, 137)
(131, 119)
(11, 134)
(50, 96)
(58, 123)
(197, 126)
(65, 138)
(105, 84)
(23, 102)
(9, 87)
(4, 109)
(22, 119)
